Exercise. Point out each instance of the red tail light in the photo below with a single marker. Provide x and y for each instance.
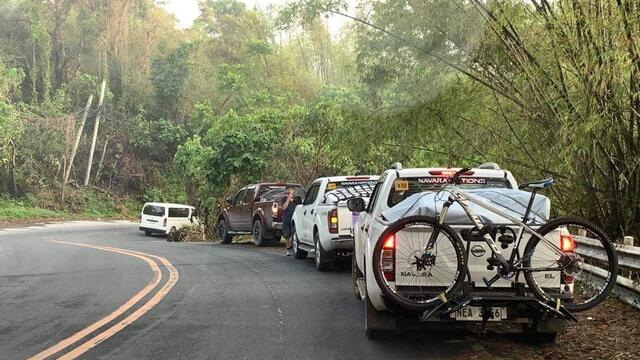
(333, 221)
(448, 173)
(274, 210)
(568, 279)
(389, 242)
(567, 244)
(388, 258)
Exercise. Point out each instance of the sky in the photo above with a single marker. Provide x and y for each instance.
(186, 11)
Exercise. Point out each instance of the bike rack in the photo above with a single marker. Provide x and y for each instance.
(448, 307)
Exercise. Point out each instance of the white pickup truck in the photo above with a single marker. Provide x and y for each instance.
(322, 224)
(382, 316)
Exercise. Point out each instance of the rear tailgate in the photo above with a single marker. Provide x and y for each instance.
(345, 220)
(479, 252)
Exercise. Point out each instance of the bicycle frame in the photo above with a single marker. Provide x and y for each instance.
(457, 195)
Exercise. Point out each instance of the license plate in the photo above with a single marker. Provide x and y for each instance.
(474, 313)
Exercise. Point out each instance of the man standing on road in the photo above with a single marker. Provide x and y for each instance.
(288, 207)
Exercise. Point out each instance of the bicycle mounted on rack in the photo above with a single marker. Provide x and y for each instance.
(446, 300)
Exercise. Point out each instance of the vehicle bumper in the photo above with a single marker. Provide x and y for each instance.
(152, 230)
(338, 243)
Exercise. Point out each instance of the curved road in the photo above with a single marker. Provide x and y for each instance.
(229, 301)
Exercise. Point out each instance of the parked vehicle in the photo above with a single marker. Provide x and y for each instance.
(166, 218)
(254, 210)
(323, 224)
(383, 315)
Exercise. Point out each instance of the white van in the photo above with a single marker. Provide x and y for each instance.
(163, 218)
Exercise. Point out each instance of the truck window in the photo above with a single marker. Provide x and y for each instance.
(239, 197)
(250, 194)
(312, 194)
(355, 184)
(272, 192)
(178, 212)
(374, 197)
(434, 183)
(153, 210)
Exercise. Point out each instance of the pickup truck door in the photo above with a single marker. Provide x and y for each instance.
(246, 210)
(234, 211)
(308, 212)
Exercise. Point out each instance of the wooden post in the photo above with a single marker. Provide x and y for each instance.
(104, 150)
(78, 137)
(95, 133)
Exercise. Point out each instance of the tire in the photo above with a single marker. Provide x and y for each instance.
(321, 257)
(297, 252)
(173, 235)
(257, 233)
(432, 296)
(532, 335)
(147, 233)
(223, 232)
(593, 296)
(355, 274)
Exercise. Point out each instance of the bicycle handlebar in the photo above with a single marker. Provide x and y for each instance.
(455, 178)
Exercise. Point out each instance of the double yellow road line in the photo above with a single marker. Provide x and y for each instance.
(71, 342)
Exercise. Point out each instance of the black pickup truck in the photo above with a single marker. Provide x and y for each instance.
(254, 210)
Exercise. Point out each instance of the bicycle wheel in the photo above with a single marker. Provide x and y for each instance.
(584, 277)
(412, 276)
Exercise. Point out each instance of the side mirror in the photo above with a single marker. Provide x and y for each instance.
(228, 201)
(356, 205)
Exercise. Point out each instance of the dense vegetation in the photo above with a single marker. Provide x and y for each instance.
(544, 88)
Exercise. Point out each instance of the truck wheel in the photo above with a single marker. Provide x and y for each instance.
(373, 322)
(297, 252)
(533, 334)
(223, 232)
(258, 233)
(323, 263)
(355, 275)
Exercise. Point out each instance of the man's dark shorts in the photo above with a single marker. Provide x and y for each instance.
(286, 221)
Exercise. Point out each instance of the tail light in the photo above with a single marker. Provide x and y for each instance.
(333, 221)
(274, 210)
(164, 222)
(448, 173)
(388, 258)
(567, 244)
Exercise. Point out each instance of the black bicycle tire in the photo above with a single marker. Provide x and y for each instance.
(608, 247)
(393, 228)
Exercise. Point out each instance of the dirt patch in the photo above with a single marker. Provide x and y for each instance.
(609, 331)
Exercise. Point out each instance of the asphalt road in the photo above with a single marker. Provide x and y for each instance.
(229, 302)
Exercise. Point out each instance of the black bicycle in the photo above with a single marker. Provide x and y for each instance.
(420, 261)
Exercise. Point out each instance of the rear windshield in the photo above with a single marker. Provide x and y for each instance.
(178, 212)
(342, 191)
(153, 210)
(435, 183)
(350, 184)
(277, 192)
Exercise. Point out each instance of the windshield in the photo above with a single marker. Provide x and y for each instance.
(153, 210)
(405, 187)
